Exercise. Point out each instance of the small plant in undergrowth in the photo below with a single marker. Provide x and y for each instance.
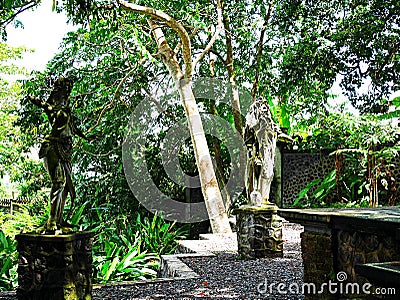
(116, 261)
(10, 226)
(118, 253)
(315, 192)
(159, 236)
(127, 245)
(8, 263)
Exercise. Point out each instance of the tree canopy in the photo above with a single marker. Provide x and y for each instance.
(9, 101)
(305, 46)
(356, 42)
(288, 52)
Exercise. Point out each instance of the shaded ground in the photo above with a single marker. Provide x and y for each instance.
(222, 277)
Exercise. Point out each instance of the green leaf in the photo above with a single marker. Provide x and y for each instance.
(305, 190)
(389, 115)
(111, 268)
(78, 213)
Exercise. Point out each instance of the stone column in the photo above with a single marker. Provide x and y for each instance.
(54, 267)
(318, 262)
(259, 231)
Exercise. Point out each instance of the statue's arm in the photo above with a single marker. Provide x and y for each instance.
(77, 131)
(39, 103)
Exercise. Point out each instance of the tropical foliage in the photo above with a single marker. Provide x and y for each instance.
(10, 226)
(289, 52)
(364, 148)
(9, 134)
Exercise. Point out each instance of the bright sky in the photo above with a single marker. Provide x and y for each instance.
(43, 31)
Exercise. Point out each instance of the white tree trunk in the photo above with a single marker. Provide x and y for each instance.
(209, 185)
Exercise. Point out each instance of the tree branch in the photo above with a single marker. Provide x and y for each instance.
(260, 49)
(217, 54)
(391, 53)
(258, 63)
(215, 36)
(21, 9)
(109, 105)
(237, 117)
(178, 46)
(173, 24)
(157, 103)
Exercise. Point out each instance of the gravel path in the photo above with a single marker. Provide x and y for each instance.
(224, 277)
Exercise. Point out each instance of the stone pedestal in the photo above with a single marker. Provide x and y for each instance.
(54, 267)
(259, 231)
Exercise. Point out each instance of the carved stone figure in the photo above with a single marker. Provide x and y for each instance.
(56, 151)
(261, 134)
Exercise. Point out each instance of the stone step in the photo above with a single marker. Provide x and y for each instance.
(209, 243)
(171, 266)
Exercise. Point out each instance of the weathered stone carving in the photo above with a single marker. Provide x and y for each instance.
(259, 232)
(261, 134)
(54, 267)
(56, 151)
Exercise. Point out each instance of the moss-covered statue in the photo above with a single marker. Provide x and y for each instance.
(261, 134)
(56, 151)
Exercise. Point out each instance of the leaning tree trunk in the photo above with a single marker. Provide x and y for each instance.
(209, 185)
(183, 82)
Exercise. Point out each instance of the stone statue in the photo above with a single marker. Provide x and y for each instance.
(261, 134)
(56, 151)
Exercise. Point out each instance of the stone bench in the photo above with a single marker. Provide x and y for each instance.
(348, 242)
(386, 274)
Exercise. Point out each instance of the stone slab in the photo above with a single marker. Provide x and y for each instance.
(385, 274)
(171, 266)
(264, 208)
(386, 214)
(381, 220)
(208, 243)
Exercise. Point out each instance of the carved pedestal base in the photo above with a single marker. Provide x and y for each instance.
(259, 231)
(54, 267)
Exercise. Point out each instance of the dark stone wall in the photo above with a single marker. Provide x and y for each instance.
(316, 251)
(300, 168)
(325, 255)
(357, 247)
(317, 245)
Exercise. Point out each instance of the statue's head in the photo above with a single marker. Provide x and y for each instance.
(61, 89)
(63, 83)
